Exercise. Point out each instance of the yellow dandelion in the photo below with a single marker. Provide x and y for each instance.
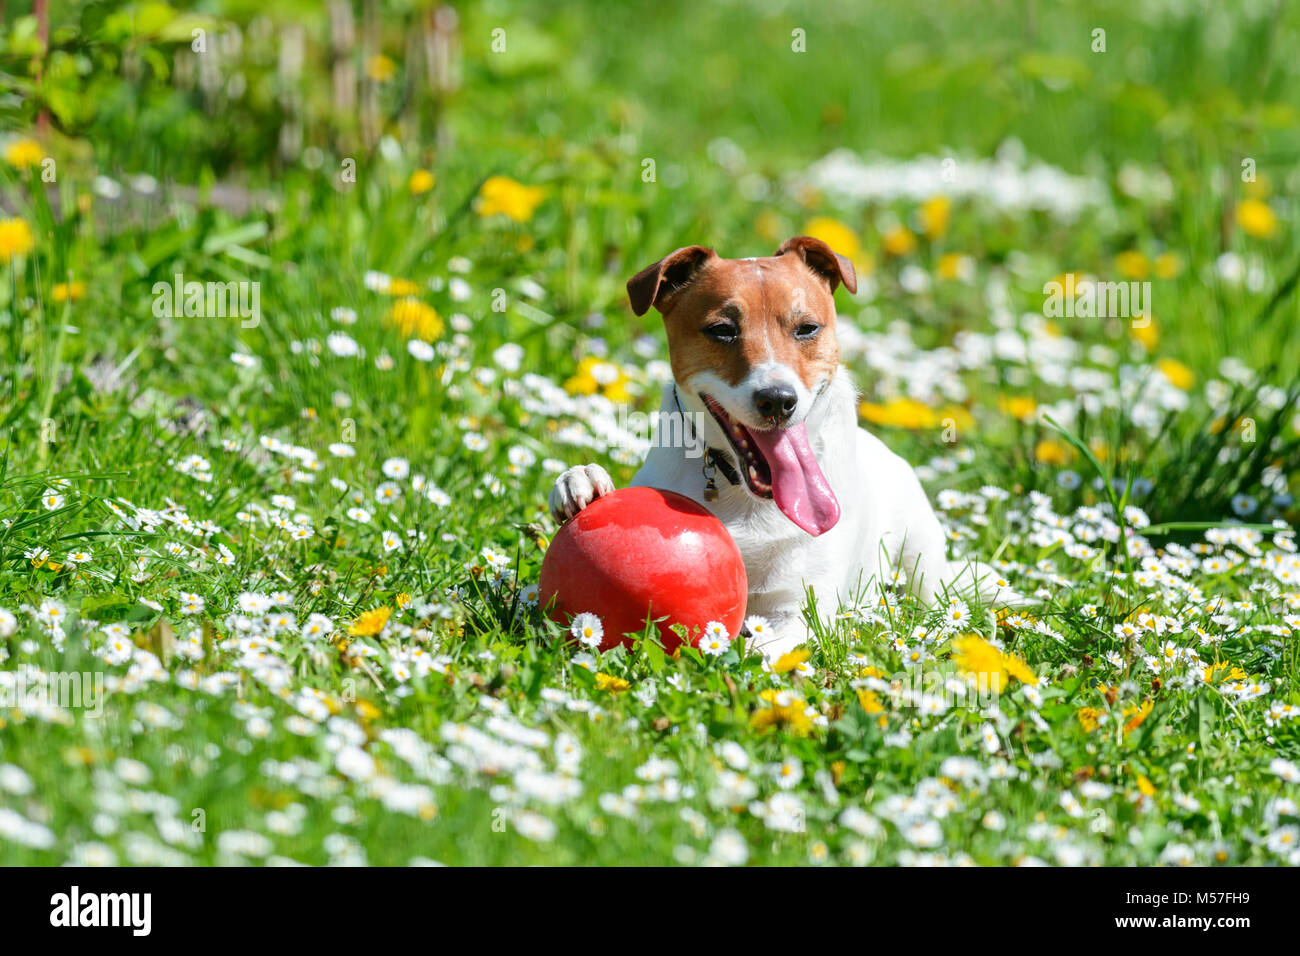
(869, 701)
(1018, 406)
(15, 239)
(974, 655)
(421, 181)
(24, 153)
(68, 291)
(934, 215)
(1256, 218)
(785, 712)
(371, 622)
(1133, 265)
(1147, 334)
(1019, 669)
(1090, 718)
(401, 287)
(836, 235)
(1168, 265)
(1208, 674)
(1179, 375)
(955, 265)
(1137, 715)
(611, 683)
(913, 415)
(899, 242)
(899, 413)
(380, 68)
(501, 194)
(1051, 452)
(788, 662)
(597, 375)
(414, 318)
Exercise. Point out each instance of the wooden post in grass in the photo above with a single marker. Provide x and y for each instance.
(442, 61)
(370, 36)
(41, 8)
(343, 40)
(409, 119)
(289, 69)
(210, 78)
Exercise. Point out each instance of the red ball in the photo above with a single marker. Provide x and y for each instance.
(645, 553)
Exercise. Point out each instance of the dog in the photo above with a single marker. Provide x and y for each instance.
(812, 500)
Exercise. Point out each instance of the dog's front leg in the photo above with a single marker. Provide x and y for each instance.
(577, 488)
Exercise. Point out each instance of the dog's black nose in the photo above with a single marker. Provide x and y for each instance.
(776, 403)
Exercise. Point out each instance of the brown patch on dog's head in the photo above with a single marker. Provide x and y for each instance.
(727, 316)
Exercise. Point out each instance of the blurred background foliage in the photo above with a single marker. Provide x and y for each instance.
(217, 138)
(1182, 83)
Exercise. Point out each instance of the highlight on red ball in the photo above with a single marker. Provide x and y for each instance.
(640, 555)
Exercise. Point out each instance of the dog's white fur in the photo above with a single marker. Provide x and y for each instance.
(886, 523)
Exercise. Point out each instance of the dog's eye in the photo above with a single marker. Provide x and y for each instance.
(808, 330)
(721, 332)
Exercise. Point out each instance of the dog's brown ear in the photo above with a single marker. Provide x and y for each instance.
(655, 283)
(823, 260)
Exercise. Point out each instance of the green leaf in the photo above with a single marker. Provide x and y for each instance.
(101, 606)
(239, 236)
(1204, 721)
(653, 653)
(1168, 526)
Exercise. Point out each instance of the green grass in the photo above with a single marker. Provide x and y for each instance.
(203, 742)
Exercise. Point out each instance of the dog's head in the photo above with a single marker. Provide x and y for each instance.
(753, 341)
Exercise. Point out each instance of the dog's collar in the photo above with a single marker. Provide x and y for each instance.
(722, 461)
(714, 459)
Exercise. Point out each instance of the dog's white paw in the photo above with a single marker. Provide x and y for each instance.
(577, 488)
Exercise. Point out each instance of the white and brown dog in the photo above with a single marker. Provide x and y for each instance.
(814, 500)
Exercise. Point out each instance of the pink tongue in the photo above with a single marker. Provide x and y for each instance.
(799, 488)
